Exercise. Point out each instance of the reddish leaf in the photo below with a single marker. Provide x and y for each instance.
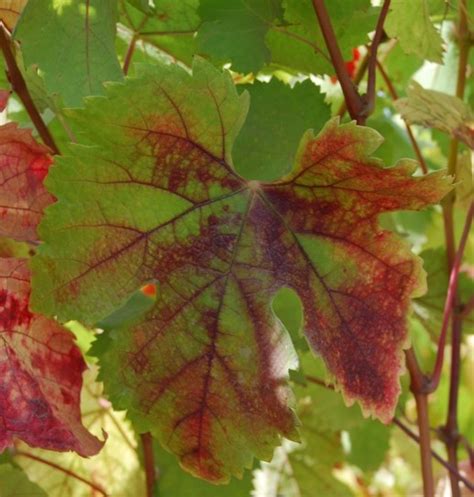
(23, 165)
(40, 373)
(206, 369)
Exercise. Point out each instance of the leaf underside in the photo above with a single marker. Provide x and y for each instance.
(155, 198)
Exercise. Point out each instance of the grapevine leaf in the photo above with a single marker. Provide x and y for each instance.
(24, 164)
(306, 469)
(41, 373)
(298, 43)
(72, 43)
(116, 469)
(438, 110)
(235, 31)
(170, 27)
(430, 307)
(401, 68)
(278, 116)
(328, 406)
(369, 445)
(14, 483)
(420, 37)
(157, 198)
(10, 11)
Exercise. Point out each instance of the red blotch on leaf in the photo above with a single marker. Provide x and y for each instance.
(149, 290)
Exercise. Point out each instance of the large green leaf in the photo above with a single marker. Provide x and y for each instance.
(72, 43)
(156, 198)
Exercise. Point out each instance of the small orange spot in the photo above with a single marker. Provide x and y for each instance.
(149, 290)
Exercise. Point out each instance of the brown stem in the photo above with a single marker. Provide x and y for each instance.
(372, 65)
(60, 468)
(19, 87)
(417, 386)
(449, 303)
(149, 461)
(129, 55)
(353, 100)
(361, 69)
(451, 434)
(393, 93)
(452, 470)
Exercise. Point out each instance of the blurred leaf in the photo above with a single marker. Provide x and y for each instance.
(305, 469)
(430, 306)
(369, 444)
(328, 406)
(434, 109)
(15, 483)
(72, 43)
(400, 67)
(266, 146)
(298, 43)
(170, 27)
(395, 145)
(464, 187)
(235, 31)
(419, 37)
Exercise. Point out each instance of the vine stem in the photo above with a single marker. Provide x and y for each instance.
(19, 87)
(68, 472)
(417, 386)
(449, 302)
(452, 470)
(129, 55)
(372, 64)
(351, 96)
(149, 461)
(450, 429)
(358, 106)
